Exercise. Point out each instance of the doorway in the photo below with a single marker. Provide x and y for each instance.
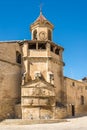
(73, 110)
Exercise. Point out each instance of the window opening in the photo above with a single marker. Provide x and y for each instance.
(73, 83)
(82, 100)
(49, 35)
(51, 78)
(35, 35)
(32, 46)
(52, 48)
(41, 46)
(57, 51)
(18, 57)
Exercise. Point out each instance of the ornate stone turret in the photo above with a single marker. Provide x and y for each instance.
(41, 29)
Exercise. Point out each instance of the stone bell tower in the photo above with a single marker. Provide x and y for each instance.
(43, 67)
(41, 29)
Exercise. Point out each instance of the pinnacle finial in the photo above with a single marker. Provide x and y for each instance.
(41, 8)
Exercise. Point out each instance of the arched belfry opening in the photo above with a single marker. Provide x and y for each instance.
(35, 34)
(49, 35)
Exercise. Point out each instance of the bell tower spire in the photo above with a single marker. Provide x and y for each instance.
(41, 29)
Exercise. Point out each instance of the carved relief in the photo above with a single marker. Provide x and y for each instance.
(37, 92)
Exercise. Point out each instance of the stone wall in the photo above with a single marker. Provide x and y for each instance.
(81, 110)
(74, 91)
(60, 113)
(10, 79)
(18, 112)
(56, 68)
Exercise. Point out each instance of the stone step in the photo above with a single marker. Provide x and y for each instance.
(28, 122)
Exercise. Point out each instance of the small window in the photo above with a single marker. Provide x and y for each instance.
(41, 46)
(57, 51)
(73, 84)
(32, 46)
(51, 78)
(49, 35)
(82, 100)
(52, 48)
(18, 57)
(35, 35)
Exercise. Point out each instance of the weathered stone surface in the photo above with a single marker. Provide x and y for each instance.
(10, 79)
(75, 90)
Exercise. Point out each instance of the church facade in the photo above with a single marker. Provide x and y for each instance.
(32, 83)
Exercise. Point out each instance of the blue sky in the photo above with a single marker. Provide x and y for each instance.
(69, 18)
